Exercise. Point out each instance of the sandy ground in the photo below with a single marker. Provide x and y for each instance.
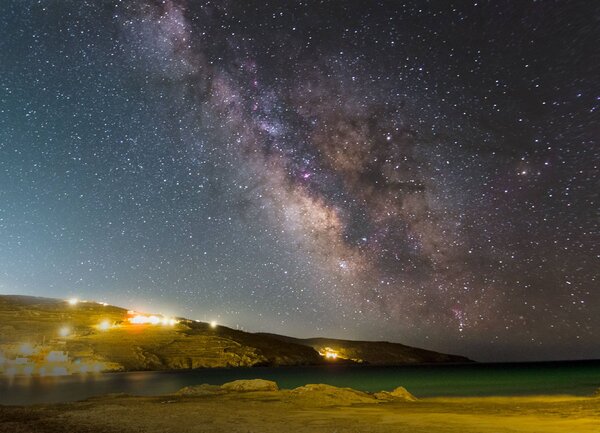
(281, 411)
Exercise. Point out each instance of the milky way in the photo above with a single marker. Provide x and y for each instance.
(422, 173)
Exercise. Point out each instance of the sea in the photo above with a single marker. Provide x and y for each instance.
(579, 378)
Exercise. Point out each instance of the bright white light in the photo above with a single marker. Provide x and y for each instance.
(73, 301)
(140, 319)
(329, 353)
(155, 320)
(104, 325)
(65, 331)
(213, 324)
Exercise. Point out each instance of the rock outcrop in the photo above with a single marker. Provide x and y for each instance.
(328, 395)
(318, 395)
(251, 385)
(399, 393)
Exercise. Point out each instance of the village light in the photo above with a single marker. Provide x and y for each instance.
(104, 325)
(65, 331)
(167, 321)
(213, 324)
(140, 319)
(329, 353)
(73, 301)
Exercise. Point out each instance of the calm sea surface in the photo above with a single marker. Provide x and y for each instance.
(577, 378)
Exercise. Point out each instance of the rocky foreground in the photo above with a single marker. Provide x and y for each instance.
(259, 406)
(102, 337)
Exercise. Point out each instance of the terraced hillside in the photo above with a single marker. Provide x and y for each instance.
(36, 331)
(93, 333)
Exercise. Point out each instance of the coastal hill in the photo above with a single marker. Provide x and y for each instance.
(372, 352)
(52, 336)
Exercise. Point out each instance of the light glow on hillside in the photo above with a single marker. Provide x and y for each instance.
(329, 354)
(65, 331)
(105, 325)
(141, 319)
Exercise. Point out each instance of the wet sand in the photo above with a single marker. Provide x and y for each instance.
(285, 411)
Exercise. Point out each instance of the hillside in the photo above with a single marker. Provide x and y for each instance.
(50, 336)
(372, 352)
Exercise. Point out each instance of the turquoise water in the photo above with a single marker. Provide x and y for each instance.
(576, 378)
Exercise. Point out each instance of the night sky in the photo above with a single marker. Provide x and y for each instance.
(423, 172)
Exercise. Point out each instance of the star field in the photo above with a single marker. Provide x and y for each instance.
(419, 172)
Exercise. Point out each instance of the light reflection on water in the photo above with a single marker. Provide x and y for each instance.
(578, 378)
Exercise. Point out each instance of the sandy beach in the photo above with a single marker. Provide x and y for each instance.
(314, 408)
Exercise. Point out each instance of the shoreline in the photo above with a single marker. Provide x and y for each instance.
(260, 406)
(258, 368)
(340, 365)
(439, 381)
